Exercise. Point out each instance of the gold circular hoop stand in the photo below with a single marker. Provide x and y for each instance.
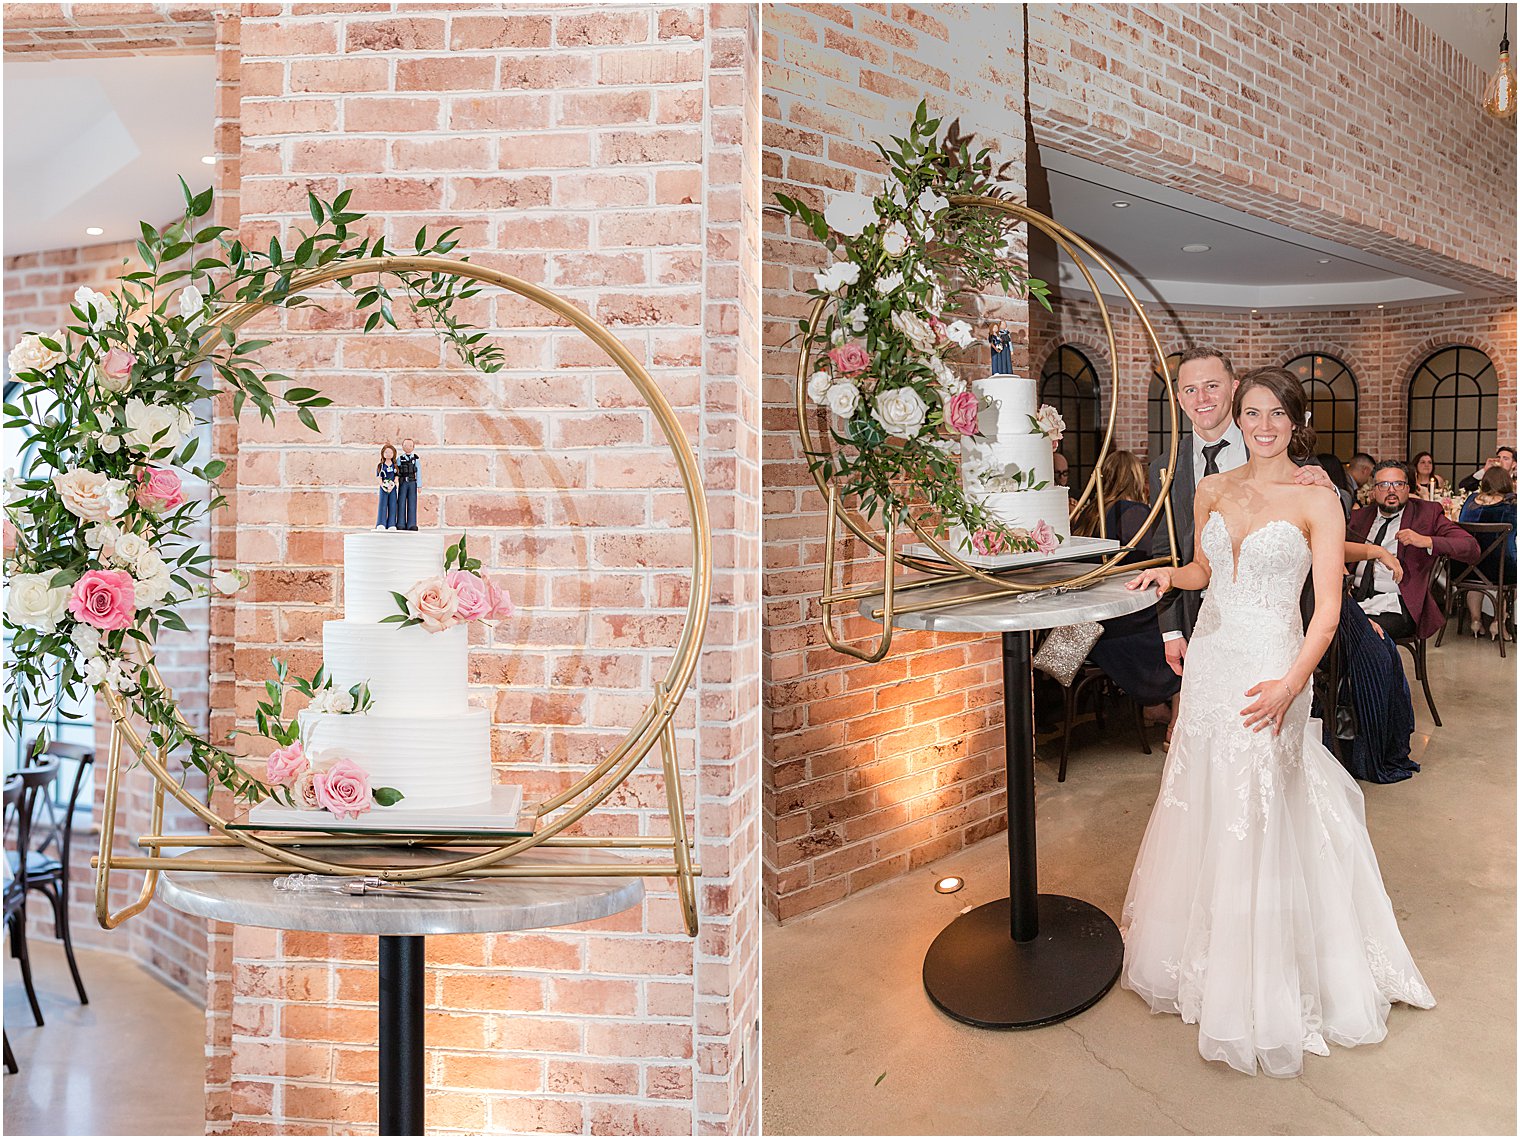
(947, 566)
(653, 727)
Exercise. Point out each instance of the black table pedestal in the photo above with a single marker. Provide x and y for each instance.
(1030, 959)
(402, 1076)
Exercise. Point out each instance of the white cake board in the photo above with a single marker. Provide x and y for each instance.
(1076, 546)
(500, 814)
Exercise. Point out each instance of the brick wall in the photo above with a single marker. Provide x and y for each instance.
(1339, 120)
(96, 31)
(599, 153)
(872, 769)
(1382, 347)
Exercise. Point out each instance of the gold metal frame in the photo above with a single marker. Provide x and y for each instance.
(950, 567)
(654, 727)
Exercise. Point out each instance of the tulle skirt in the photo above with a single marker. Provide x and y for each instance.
(1256, 909)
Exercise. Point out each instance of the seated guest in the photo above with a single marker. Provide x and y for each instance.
(1062, 469)
(1333, 467)
(1493, 501)
(1415, 532)
(1427, 484)
(1130, 651)
(1503, 457)
(1359, 471)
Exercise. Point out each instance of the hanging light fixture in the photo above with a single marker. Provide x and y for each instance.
(1500, 97)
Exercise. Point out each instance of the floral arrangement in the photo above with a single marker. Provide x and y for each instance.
(97, 530)
(905, 268)
(457, 596)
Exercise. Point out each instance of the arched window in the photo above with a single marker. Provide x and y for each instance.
(1158, 418)
(1069, 383)
(1332, 393)
(1454, 410)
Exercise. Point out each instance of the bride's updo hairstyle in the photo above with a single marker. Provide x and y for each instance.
(1290, 393)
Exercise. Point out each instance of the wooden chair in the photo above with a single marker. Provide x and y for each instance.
(22, 791)
(1088, 676)
(46, 873)
(1498, 588)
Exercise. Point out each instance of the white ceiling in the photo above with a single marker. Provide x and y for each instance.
(102, 142)
(1473, 29)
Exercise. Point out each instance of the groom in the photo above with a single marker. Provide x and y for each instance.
(1206, 386)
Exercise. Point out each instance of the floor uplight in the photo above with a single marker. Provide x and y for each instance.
(949, 884)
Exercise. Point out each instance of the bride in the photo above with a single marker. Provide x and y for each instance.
(1256, 909)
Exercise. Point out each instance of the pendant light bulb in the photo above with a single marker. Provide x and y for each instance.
(1501, 97)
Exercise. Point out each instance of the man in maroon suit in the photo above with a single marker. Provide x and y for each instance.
(1416, 532)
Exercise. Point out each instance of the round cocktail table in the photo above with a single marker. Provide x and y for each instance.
(1028, 959)
(401, 925)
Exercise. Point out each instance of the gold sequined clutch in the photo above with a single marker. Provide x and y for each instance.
(1065, 649)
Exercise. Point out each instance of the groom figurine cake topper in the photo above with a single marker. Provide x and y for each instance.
(406, 480)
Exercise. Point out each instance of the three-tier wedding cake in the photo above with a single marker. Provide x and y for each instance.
(1008, 467)
(421, 735)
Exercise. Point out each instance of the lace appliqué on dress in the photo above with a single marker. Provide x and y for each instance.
(1392, 982)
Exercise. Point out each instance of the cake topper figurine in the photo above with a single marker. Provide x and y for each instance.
(406, 476)
(385, 471)
(1001, 341)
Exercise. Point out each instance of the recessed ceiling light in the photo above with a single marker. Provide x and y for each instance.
(949, 884)
(1196, 247)
(1121, 205)
(209, 159)
(94, 231)
(1324, 260)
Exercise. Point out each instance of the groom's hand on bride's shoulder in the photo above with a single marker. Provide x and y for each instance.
(1313, 476)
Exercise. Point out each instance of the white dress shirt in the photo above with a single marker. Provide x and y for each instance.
(1385, 595)
(1227, 460)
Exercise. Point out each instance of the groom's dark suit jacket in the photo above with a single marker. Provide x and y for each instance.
(1178, 608)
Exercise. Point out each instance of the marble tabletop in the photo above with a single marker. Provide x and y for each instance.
(1016, 612)
(505, 903)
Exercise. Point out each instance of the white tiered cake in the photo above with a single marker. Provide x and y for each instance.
(421, 735)
(1003, 467)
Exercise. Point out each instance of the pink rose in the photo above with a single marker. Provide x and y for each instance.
(850, 358)
(303, 792)
(501, 601)
(118, 363)
(158, 489)
(1044, 536)
(285, 765)
(104, 598)
(10, 538)
(343, 789)
(988, 543)
(961, 413)
(435, 603)
(937, 327)
(474, 596)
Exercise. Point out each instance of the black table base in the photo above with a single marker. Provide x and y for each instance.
(1029, 959)
(402, 1075)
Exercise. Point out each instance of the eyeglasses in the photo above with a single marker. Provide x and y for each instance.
(1389, 485)
(1063, 476)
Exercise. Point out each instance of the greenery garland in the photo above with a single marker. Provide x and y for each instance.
(905, 268)
(97, 530)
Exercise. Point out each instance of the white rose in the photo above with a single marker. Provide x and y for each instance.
(1049, 420)
(95, 669)
(886, 286)
(103, 538)
(856, 318)
(914, 329)
(229, 581)
(121, 677)
(128, 548)
(843, 400)
(850, 214)
(894, 240)
(31, 355)
(336, 701)
(818, 386)
(90, 495)
(932, 203)
(948, 382)
(837, 276)
(33, 604)
(145, 421)
(86, 638)
(150, 591)
(191, 303)
(110, 444)
(960, 332)
(105, 307)
(896, 195)
(148, 563)
(901, 411)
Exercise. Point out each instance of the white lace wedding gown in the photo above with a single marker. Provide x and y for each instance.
(1256, 909)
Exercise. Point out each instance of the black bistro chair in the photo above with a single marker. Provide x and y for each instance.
(1415, 644)
(22, 792)
(52, 840)
(1091, 679)
(1492, 575)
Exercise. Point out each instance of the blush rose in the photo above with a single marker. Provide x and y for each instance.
(848, 359)
(285, 765)
(961, 411)
(104, 598)
(159, 489)
(474, 597)
(343, 789)
(435, 603)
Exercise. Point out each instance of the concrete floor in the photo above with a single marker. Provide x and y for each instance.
(853, 1046)
(131, 1062)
